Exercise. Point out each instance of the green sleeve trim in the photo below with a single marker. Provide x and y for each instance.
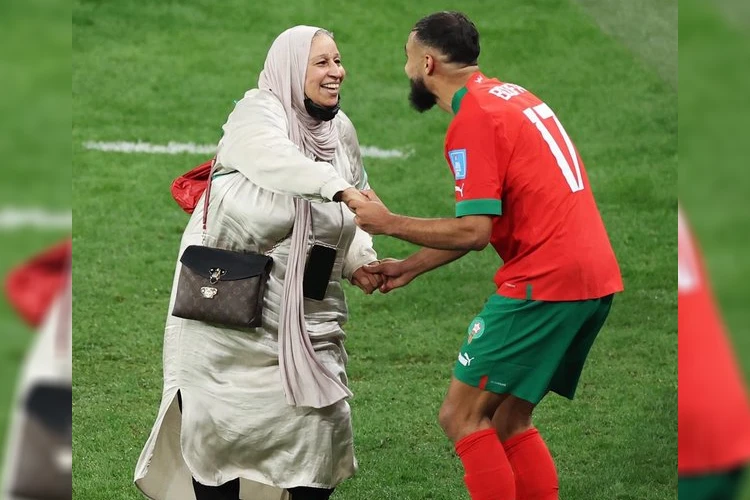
(485, 206)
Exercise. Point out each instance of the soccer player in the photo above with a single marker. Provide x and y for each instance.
(713, 410)
(521, 186)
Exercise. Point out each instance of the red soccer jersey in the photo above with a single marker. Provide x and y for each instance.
(713, 411)
(511, 157)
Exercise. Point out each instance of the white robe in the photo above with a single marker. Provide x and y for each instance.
(235, 421)
(48, 363)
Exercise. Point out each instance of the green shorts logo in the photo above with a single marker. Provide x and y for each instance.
(476, 329)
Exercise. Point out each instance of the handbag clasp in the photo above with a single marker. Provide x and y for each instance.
(216, 274)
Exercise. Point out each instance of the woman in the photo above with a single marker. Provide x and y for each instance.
(38, 454)
(240, 412)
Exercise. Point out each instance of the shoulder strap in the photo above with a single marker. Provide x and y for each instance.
(208, 194)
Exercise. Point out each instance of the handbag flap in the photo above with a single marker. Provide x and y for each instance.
(236, 265)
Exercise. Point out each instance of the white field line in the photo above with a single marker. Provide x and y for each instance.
(174, 148)
(18, 218)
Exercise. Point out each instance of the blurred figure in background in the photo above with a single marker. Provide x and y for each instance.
(714, 413)
(38, 463)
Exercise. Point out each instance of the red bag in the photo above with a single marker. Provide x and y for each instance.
(33, 286)
(188, 188)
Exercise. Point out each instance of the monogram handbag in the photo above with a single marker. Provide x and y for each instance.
(42, 464)
(221, 286)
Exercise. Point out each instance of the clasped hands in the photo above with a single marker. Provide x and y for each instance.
(373, 216)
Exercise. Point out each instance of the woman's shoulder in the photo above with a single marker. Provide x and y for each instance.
(350, 142)
(258, 102)
(343, 121)
(345, 127)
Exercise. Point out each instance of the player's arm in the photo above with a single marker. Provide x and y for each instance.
(463, 233)
(478, 170)
(472, 152)
(398, 273)
(427, 259)
(471, 232)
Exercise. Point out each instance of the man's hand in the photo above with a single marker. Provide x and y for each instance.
(366, 280)
(371, 214)
(395, 274)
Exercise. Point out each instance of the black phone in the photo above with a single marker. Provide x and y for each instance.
(318, 271)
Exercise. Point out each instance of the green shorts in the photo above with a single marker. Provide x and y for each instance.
(530, 347)
(717, 486)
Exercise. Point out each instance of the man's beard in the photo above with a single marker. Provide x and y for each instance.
(420, 97)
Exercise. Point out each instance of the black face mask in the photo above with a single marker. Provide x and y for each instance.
(420, 97)
(324, 113)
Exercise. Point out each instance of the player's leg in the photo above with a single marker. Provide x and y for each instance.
(531, 460)
(481, 382)
(465, 416)
(545, 349)
(467, 409)
(595, 313)
(513, 417)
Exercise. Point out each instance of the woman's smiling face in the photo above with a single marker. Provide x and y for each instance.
(324, 71)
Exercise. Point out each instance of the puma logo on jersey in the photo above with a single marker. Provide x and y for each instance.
(460, 190)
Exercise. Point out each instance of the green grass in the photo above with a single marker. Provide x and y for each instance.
(647, 27)
(169, 71)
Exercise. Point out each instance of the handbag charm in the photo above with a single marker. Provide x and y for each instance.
(210, 292)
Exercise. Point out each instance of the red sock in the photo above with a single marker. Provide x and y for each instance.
(536, 477)
(488, 473)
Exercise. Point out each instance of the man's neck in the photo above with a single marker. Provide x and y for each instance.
(448, 87)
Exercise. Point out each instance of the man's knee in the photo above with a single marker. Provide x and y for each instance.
(513, 417)
(449, 418)
(466, 409)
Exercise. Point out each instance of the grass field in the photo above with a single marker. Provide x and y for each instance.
(168, 71)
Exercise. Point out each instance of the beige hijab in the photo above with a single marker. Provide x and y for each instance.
(305, 380)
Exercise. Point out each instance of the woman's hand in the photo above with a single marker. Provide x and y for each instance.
(393, 273)
(349, 195)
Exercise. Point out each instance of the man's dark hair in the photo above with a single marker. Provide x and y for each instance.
(452, 33)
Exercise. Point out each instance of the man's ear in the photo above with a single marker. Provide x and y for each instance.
(429, 64)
